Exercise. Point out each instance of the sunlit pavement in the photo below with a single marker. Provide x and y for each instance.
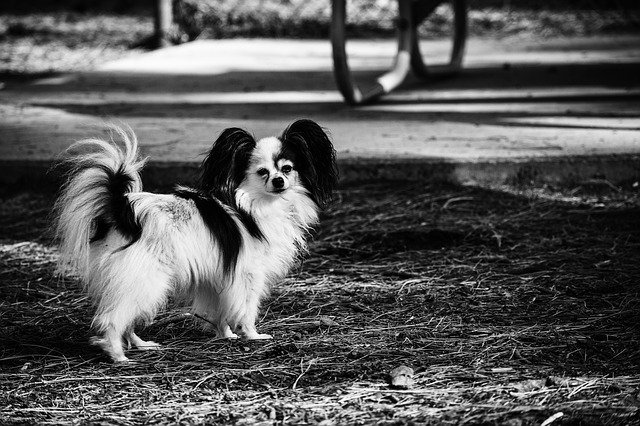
(546, 111)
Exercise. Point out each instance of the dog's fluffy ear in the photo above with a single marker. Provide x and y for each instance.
(225, 167)
(315, 158)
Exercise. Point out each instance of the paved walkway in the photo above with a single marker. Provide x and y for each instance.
(556, 110)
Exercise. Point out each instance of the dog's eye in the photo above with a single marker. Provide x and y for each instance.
(263, 172)
(286, 168)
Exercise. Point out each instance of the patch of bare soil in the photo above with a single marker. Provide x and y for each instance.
(510, 308)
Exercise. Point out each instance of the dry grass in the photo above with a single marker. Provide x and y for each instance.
(510, 308)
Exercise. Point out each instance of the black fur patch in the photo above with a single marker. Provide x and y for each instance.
(220, 223)
(120, 212)
(250, 224)
(314, 158)
(102, 228)
(225, 167)
(126, 221)
(286, 153)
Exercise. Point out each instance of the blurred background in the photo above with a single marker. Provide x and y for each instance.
(45, 36)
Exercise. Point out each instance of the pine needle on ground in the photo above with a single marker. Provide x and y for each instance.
(510, 307)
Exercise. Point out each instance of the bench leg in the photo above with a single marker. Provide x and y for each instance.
(421, 11)
(386, 82)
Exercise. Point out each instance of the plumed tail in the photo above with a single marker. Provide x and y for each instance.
(93, 200)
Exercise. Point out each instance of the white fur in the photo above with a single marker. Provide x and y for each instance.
(76, 207)
(176, 253)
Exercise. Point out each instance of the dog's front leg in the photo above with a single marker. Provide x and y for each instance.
(247, 325)
(223, 331)
(248, 331)
(111, 343)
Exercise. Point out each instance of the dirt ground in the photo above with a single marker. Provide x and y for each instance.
(511, 307)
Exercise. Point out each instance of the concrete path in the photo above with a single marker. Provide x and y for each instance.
(555, 111)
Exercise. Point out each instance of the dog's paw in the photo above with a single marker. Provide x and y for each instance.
(97, 341)
(148, 346)
(258, 336)
(115, 353)
(224, 332)
(230, 335)
(142, 345)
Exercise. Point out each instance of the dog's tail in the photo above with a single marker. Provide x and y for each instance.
(94, 198)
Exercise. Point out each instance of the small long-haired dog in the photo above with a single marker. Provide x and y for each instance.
(221, 244)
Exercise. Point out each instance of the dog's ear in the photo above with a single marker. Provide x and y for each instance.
(315, 158)
(225, 167)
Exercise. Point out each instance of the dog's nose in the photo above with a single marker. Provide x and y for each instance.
(278, 182)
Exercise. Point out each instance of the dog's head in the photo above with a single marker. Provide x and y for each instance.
(302, 159)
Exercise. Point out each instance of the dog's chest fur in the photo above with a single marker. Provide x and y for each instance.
(284, 238)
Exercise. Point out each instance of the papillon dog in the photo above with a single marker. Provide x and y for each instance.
(220, 244)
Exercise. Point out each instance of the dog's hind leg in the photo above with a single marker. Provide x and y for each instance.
(127, 300)
(118, 323)
(143, 345)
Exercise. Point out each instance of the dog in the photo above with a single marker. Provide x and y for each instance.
(220, 244)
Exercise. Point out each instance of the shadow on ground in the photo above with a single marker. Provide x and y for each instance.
(498, 95)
